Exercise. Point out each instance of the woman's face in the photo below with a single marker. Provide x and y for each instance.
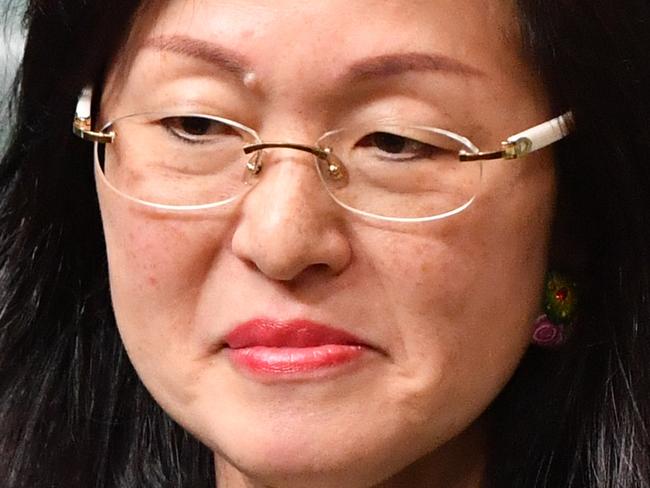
(439, 312)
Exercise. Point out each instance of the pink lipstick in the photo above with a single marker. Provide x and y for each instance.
(271, 347)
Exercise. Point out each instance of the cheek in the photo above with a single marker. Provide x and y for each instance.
(464, 296)
(158, 264)
(484, 264)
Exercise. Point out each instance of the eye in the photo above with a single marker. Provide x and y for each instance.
(196, 129)
(396, 145)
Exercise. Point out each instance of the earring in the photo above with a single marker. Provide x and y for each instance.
(551, 329)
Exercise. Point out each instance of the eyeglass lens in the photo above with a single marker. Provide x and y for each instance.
(387, 170)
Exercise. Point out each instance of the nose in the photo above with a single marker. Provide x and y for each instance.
(288, 224)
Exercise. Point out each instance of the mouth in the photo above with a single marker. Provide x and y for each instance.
(293, 348)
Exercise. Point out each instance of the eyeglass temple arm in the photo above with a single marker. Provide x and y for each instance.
(528, 141)
(514, 147)
(82, 124)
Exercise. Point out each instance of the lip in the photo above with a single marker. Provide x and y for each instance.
(264, 346)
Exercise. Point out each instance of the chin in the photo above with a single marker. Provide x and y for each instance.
(290, 464)
(315, 455)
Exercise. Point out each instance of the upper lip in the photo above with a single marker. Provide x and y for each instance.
(292, 333)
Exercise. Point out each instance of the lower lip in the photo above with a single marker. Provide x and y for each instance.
(295, 360)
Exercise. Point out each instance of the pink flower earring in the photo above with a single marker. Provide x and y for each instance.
(551, 329)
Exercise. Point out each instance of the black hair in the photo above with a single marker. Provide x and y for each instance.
(73, 412)
(580, 416)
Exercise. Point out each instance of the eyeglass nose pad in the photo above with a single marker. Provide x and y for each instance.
(332, 168)
(253, 167)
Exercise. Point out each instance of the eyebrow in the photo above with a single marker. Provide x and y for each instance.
(223, 58)
(373, 67)
(401, 63)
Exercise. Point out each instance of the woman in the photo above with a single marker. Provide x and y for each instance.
(306, 317)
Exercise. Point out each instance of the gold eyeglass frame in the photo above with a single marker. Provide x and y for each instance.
(513, 147)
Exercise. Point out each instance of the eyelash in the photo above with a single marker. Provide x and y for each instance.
(370, 140)
(169, 122)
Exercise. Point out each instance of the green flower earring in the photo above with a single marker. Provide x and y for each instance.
(552, 328)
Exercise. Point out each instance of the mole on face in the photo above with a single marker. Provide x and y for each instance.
(250, 80)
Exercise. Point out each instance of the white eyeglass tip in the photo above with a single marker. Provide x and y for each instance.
(84, 103)
(546, 133)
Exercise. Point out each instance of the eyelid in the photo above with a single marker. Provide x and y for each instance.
(418, 134)
(176, 129)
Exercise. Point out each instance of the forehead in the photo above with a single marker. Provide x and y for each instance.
(329, 33)
(459, 57)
